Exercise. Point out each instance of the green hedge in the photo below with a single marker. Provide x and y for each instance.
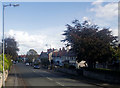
(7, 62)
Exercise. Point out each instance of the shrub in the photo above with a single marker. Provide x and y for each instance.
(7, 63)
(66, 65)
(72, 67)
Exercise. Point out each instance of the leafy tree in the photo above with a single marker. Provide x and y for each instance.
(45, 61)
(32, 55)
(11, 47)
(7, 62)
(89, 42)
(115, 61)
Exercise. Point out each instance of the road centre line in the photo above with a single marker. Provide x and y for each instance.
(33, 70)
(49, 78)
(60, 84)
(45, 71)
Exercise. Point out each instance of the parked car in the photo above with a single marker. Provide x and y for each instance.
(14, 62)
(36, 66)
(27, 64)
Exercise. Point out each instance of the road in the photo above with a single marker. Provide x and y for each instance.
(21, 75)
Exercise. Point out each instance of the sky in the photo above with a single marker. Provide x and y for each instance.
(35, 24)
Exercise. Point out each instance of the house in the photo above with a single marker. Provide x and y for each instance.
(63, 56)
(59, 56)
(50, 53)
(44, 58)
(22, 57)
(43, 55)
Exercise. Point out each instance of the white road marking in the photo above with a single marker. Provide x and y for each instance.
(45, 71)
(60, 84)
(33, 70)
(49, 78)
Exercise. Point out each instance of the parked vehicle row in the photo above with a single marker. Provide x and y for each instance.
(35, 66)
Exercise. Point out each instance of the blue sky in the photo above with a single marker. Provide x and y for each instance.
(35, 24)
(37, 16)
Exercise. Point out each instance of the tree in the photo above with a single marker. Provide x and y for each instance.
(45, 61)
(89, 42)
(7, 62)
(115, 61)
(32, 55)
(11, 47)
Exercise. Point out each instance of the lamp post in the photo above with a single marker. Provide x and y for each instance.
(14, 5)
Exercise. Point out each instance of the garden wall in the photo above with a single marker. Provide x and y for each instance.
(103, 77)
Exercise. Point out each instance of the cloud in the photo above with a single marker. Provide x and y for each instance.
(90, 22)
(114, 32)
(105, 14)
(38, 42)
(27, 41)
(85, 18)
(106, 11)
(98, 2)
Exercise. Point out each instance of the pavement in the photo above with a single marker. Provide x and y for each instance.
(26, 76)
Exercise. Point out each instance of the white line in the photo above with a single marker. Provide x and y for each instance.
(45, 71)
(60, 84)
(49, 78)
(33, 70)
(73, 80)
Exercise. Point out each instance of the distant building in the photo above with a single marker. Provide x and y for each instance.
(59, 56)
(71, 57)
(50, 52)
(43, 55)
(22, 57)
(63, 56)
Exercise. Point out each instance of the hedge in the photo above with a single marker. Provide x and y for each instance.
(7, 62)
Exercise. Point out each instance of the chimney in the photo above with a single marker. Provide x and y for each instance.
(63, 49)
(53, 49)
(60, 49)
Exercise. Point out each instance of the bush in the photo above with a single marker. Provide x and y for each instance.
(7, 63)
(72, 67)
(45, 61)
(66, 65)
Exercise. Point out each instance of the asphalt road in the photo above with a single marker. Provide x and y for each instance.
(21, 75)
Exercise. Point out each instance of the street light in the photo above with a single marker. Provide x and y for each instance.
(14, 5)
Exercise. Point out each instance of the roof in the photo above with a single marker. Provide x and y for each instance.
(63, 53)
(71, 54)
(43, 55)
